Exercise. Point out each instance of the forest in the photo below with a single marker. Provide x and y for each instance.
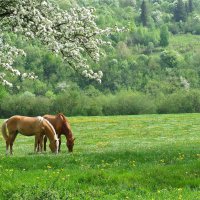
(151, 67)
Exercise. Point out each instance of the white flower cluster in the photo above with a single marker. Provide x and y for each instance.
(3, 81)
(73, 34)
(157, 16)
(184, 83)
(7, 56)
(196, 18)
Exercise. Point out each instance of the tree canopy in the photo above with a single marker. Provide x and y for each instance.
(71, 33)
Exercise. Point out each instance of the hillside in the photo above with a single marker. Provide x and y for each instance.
(157, 59)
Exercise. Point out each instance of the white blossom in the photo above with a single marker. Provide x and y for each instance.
(73, 33)
(185, 83)
(7, 56)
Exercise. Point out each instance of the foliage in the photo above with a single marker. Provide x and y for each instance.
(93, 103)
(3, 92)
(144, 36)
(144, 13)
(72, 34)
(180, 11)
(169, 59)
(164, 36)
(128, 103)
(24, 104)
(190, 6)
(180, 102)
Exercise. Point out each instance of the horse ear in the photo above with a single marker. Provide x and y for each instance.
(62, 117)
(58, 115)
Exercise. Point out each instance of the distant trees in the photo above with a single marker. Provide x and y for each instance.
(190, 6)
(164, 36)
(144, 16)
(180, 11)
(143, 36)
(128, 2)
(169, 58)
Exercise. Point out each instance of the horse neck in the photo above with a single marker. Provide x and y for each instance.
(65, 128)
(69, 135)
(50, 132)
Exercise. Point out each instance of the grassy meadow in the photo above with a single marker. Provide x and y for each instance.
(118, 157)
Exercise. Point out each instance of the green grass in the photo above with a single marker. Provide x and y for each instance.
(123, 157)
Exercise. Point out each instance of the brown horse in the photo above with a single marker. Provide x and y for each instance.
(29, 126)
(61, 126)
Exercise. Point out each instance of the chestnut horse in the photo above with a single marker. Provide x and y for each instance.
(61, 126)
(29, 126)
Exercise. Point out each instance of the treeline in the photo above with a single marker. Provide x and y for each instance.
(73, 103)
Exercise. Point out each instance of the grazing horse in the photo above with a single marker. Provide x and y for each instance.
(62, 126)
(29, 126)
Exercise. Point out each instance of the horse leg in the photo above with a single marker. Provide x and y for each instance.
(36, 149)
(12, 139)
(59, 137)
(45, 142)
(40, 143)
(7, 146)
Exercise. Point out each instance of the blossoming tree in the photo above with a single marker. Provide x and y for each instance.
(73, 34)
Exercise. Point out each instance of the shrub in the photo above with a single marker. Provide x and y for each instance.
(170, 58)
(77, 103)
(180, 102)
(25, 104)
(70, 103)
(128, 103)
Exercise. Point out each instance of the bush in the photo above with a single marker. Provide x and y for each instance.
(170, 58)
(180, 102)
(74, 103)
(70, 103)
(128, 103)
(25, 104)
(90, 103)
(144, 36)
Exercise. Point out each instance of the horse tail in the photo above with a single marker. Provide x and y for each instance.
(4, 130)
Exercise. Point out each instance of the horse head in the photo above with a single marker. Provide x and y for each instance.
(70, 144)
(54, 145)
(66, 129)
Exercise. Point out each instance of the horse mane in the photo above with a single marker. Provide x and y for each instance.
(55, 135)
(63, 117)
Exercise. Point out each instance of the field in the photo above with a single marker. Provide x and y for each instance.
(119, 157)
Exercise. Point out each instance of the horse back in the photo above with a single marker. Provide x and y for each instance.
(57, 123)
(24, 125)
(12, 122)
